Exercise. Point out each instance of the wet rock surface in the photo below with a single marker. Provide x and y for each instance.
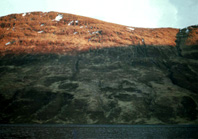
(122, 85)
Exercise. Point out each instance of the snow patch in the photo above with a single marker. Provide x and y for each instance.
(7, 43)
(44, 13)
(131, 28)
(95, 32)
(187, 30)
(59, 17)
(24, 14)
(40, 31)
(70, 23)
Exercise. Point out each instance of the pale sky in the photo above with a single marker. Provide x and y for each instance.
(137, 13)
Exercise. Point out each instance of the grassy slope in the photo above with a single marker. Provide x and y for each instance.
(58, 37)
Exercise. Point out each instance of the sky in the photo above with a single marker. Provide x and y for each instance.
(136, 13)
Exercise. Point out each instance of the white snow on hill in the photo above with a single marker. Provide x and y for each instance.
(40, 31)
(131, 28)
(187, 30)
(70, 23)
(59, 17)
(24, 14)
(7, 43)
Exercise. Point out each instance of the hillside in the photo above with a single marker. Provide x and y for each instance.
(68, 69)
(53, 32)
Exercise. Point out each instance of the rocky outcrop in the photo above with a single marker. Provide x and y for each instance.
(123, 85)
(187, 42)
(133, 84)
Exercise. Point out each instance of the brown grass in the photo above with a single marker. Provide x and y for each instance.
(59, 37)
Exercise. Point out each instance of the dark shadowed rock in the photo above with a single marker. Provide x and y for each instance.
(188, 109)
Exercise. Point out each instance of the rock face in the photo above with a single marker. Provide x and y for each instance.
(136, 84)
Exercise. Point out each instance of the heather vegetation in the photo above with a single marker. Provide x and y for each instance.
(54, 32)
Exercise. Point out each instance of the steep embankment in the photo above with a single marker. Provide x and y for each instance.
(142, 83)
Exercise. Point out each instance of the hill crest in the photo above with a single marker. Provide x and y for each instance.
(54, 32)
